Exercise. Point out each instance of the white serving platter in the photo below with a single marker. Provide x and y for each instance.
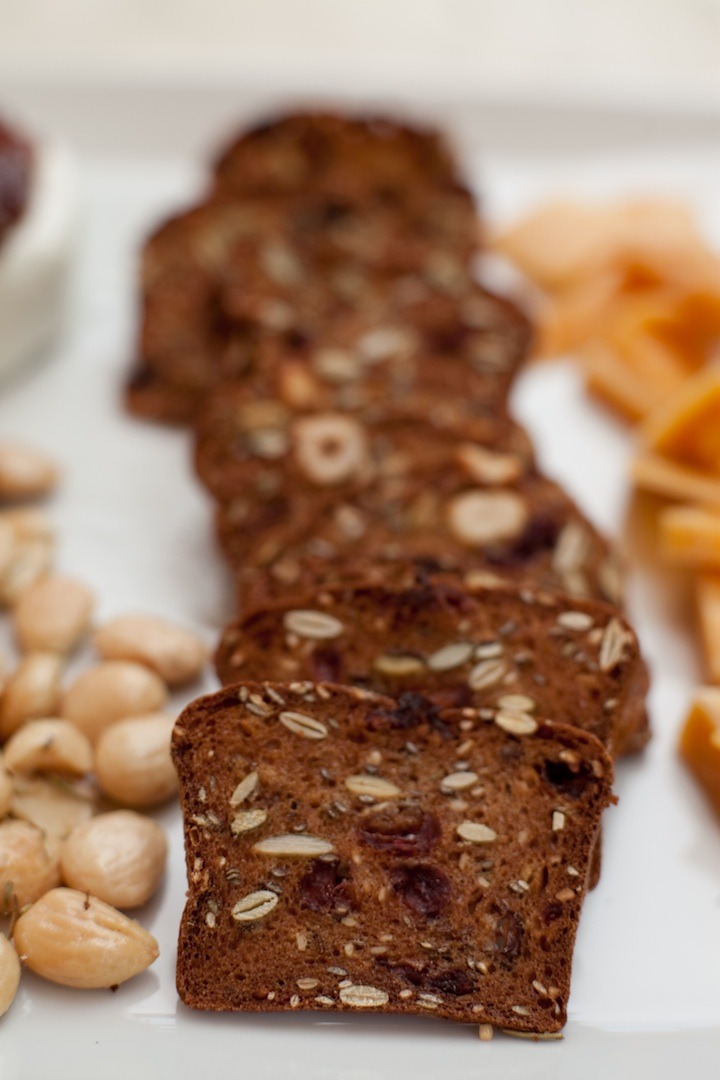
(135, 524)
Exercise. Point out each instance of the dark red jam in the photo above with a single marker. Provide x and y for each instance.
(15, 168)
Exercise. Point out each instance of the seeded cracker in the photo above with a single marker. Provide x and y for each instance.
(393, 893)
(519, 652)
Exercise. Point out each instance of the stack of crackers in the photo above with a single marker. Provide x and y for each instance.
(394, 804)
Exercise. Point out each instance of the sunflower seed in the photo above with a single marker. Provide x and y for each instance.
(293, 845)
(486, 674)
(307, 984)
(362, 784)
(516, 703)
(489, 650)
(450, 656)
(571, 549)
(457, 781)
(244, 789)
(476, 832)
(399, 666)
(254, 906)
(247, 820)
(575, 620)
(316, 625)
(363, 997)
(516, 723)
(612, 645)
(302, 724)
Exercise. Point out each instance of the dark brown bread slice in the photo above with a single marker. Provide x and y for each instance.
(358, 158)
(523, 649)
(341, 494)
(250, 432)
(150, 397)
(347, 852)
(227, 275)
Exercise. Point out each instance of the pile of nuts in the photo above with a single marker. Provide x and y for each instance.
(78, 761)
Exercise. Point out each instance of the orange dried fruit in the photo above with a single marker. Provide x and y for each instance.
(700, 741)
(686, 429)
(690, 536)
(707, 594)
(657, 474)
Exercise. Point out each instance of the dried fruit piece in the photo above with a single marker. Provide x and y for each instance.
(176, 654)
(687, 429)
(424, 888)
(673, 481)
(700, 741)
(707, 591)
(690, 536)
(119, 857)
(74, 939)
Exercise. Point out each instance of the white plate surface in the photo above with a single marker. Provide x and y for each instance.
(133, 522)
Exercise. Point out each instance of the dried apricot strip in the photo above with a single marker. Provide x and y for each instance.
(690, 536)
(707, 591)
(651, 472)
(687, 428)
(700, 741)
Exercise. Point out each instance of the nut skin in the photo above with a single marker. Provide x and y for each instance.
(133, 762)
(49, 746)
(74, 939)
(31, 692)
(119, 857)
(53, 615)
(6, 789)
(110, 691)
(31, 561)
(25, 473)
(53, 805)
(9, 974)
(176, 654)
(27, 870)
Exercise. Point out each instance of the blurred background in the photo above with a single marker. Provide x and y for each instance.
(639, 51)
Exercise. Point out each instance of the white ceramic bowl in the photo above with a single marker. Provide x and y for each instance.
(35, 258)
